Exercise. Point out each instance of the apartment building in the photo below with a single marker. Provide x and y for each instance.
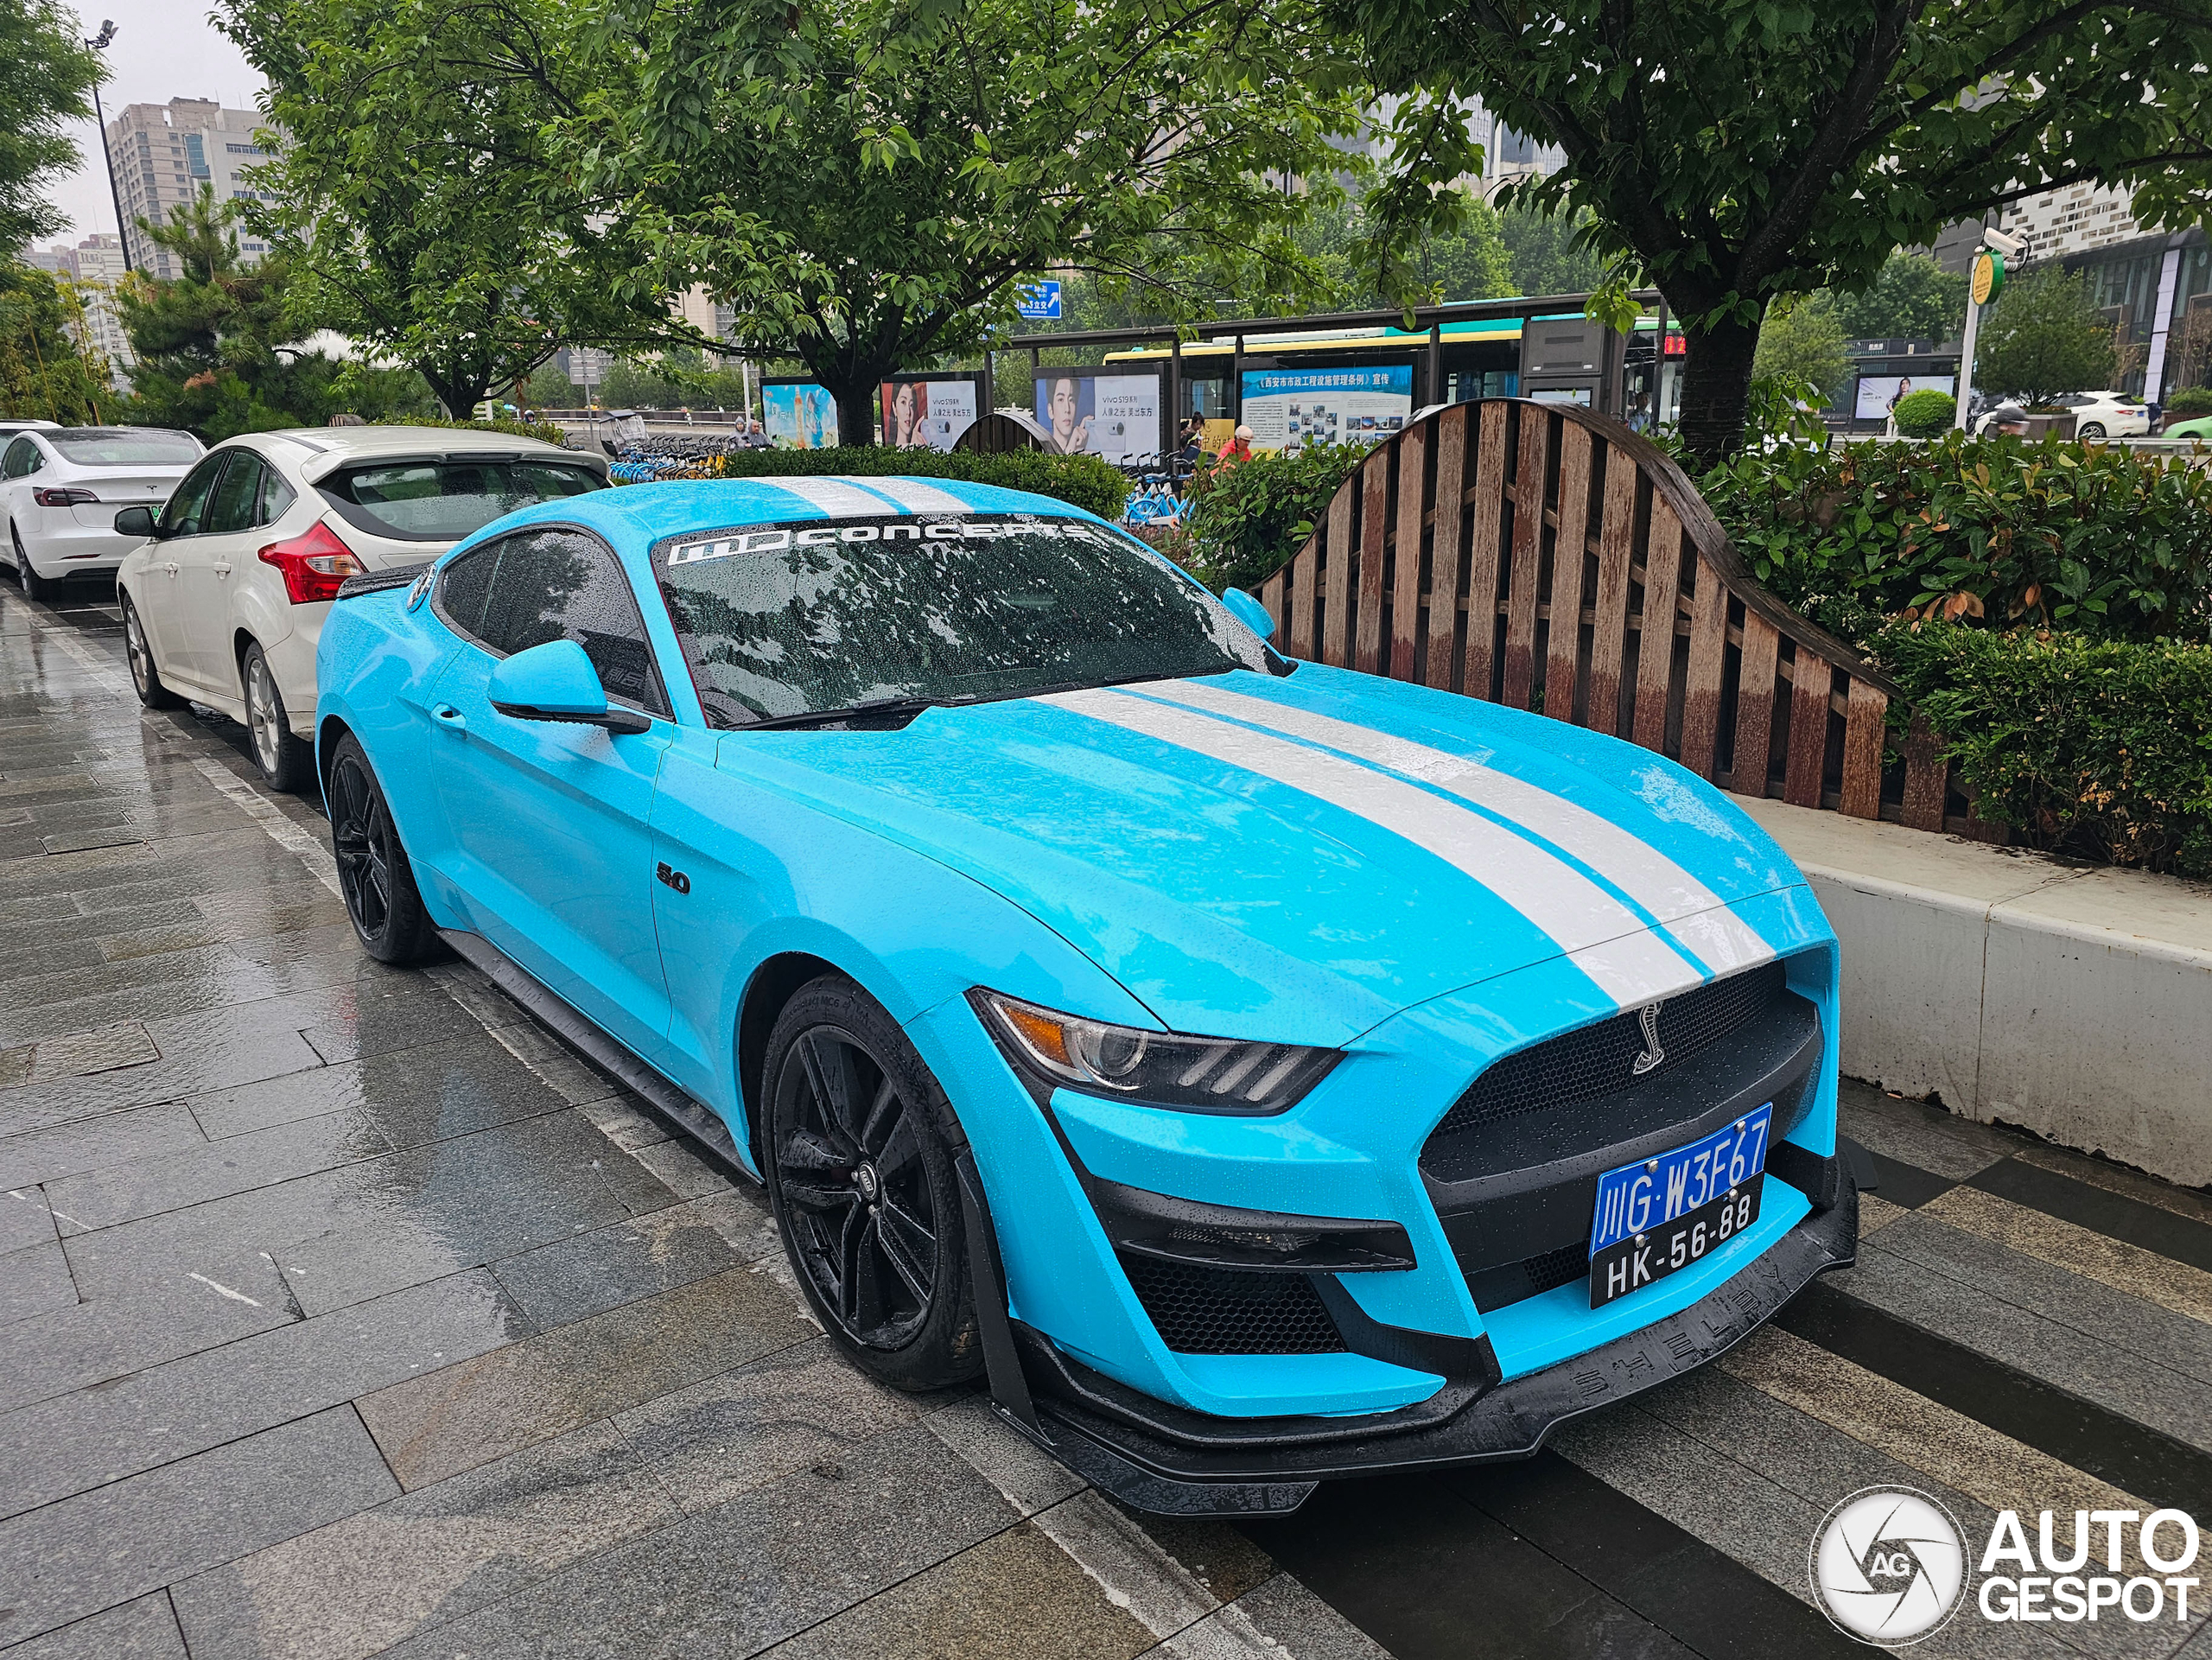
(95, 266)
(165, 153)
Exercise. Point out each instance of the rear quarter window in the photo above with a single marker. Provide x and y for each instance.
(445, 500)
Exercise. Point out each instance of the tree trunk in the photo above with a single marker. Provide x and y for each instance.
(1716, 386)
(856, 395)
(459, 389)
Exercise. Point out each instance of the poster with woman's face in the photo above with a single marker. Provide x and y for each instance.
(1063, 410)
(905, 414)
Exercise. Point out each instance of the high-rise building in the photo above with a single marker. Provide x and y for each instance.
(165, 153)
(94, 266)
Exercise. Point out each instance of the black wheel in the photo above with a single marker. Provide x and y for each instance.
(374, 873)
(35, 587)
(861, 1142)
(145, 675)
(285, 761)
(2091, 429)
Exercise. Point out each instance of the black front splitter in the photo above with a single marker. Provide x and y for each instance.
(1168, 1461)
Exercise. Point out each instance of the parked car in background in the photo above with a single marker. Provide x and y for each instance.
(2096, 415)
(60, 487)
(223, 597)
(2200, 430)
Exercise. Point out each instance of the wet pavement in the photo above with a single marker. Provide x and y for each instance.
(344, 1312)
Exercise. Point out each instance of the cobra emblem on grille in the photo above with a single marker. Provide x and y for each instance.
(1648, 1017)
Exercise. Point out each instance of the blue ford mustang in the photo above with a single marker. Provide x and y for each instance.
(1261, 1072)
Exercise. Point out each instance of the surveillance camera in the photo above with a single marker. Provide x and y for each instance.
(2010, 246)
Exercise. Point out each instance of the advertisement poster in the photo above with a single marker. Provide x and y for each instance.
(1878, 394)
(1287, 408)
(926, 414)
(1113, 415)
(799, 418)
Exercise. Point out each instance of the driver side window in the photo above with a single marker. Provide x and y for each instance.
(187, 512)
(538, 586)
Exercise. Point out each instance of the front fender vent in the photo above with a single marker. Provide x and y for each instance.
(1224, 1311)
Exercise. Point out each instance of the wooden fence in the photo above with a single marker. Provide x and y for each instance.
(1539, 555)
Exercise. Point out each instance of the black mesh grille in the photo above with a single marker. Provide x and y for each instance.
(1598, 1059)
(1556, 1267)
(1220, 1310)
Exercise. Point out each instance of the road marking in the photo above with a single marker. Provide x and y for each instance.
(221, 1290)
(1607, 941)
(273, 822)
(1647, 875)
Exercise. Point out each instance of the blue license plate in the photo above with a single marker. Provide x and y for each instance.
(1656, 1217)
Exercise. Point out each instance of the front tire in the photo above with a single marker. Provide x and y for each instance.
(373, 874)
(36, 588)
(145, 675)
(285, 761)
(861, 1141)
(2091, 429)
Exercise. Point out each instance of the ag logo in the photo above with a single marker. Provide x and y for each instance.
(1889, 1566)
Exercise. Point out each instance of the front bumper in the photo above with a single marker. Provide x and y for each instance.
(1168, 1460)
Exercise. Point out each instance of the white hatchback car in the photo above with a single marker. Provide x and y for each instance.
(59, 488)
(224, 601)
(2096, 415)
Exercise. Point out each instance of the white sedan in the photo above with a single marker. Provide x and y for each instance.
(223, 595)
(2096, 415)
(60, 487)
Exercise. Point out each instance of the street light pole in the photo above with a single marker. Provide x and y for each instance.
(100, 42)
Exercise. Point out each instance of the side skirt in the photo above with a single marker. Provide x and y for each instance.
(674, 1105)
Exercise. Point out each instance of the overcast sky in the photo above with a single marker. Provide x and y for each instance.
(163, 49)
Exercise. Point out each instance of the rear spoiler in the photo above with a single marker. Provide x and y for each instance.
(375, 582)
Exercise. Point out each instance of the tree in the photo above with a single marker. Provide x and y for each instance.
(216, 351)
(1545, 254)
(1734, 151)
(47, 75)
(415, 195)
(549, 388)
(1803, 341)
(1912, 298)
(867, 182)
(2043, 338)
(44, 371)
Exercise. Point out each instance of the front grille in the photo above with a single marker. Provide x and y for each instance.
(1221, 1311)
(1598, 1060)
(1556, 1267)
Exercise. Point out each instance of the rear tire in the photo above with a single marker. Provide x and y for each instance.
(860, 1142)
(285, 761)
(374, 877)
(36, 588)
(145, 675)
(2091, 429)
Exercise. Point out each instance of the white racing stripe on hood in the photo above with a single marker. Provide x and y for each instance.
(1698, 917)
(833, 496)
(1609, 943)
(916, 498)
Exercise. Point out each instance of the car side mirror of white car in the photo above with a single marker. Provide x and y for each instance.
(138, 522)
(557, 682)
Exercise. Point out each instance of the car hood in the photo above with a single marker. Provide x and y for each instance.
(1298, 858)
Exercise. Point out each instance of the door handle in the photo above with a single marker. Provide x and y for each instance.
(450, 718)
(222, 570)
(170, 569)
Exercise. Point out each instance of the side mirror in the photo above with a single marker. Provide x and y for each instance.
(1249, 612)
(557, 682)
(138, 522)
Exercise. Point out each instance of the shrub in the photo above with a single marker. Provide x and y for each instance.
(1926, 413)
(1247, 519)
(543, 432)
(2190, 400)
(2096, 537)
(2098, 748)
(1086, 481)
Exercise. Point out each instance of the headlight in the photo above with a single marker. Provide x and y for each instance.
(1161, 1069)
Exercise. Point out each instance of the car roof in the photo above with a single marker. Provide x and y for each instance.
(635, 515)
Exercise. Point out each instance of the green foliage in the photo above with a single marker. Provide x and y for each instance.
(46, 76)
(1912, 298)
(215, 347)
(44, 373)
(1246, 520)
(2096, 538)
(416, 192)
(680, 379)
(1734, 150)
(1804, 340)
(1925, 414)
(2190, 400)
(1546, 254)
(2099, 747)
(2043, 337)
(1085, 481)
(549, 388)
(544, 431)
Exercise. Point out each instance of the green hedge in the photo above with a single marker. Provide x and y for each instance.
(1085, 481)
(2095, 537)
(2189, 400)
(1926, 413)
(1247, 519)
(543, 432)
(2097, 748)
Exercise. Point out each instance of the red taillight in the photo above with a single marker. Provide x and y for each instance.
(315, 564)
(62, 498)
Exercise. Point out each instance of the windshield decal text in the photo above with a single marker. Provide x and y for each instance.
(783, 538)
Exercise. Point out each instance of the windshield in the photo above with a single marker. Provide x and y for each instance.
(443, 501)
(122, 446)
(783, 621)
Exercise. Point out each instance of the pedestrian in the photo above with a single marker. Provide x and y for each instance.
(1238, 448)
(2007, 419)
